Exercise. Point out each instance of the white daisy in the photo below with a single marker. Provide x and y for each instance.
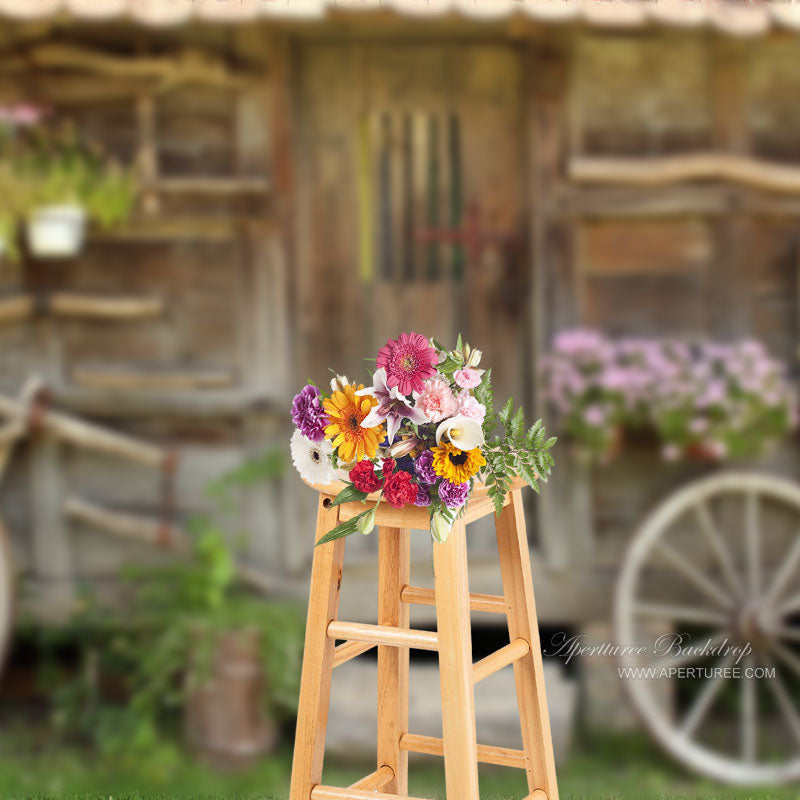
(312, 459)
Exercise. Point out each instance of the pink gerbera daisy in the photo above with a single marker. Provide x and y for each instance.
(408, 360)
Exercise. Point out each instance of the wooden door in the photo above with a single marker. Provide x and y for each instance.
(410, 212)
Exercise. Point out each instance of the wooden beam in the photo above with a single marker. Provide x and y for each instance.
(494, 662)
(126, 525)
(490, 603)
(664, 170)
(673, 200)
(74, 304)
(16, 307)
(123, 378)
(376, 781)
(349, 650)
(487, 754)
(83, 434)
(211, 185)
(189, 66)
(383, 634)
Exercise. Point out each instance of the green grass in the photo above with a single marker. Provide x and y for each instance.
(616, 768)
(613, 768)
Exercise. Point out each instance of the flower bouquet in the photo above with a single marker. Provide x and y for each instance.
(424, 433)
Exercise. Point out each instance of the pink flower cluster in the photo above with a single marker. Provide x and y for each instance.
(731, 399)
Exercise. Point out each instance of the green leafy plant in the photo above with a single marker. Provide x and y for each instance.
(517, 451)
(56, 167)
(139, 663)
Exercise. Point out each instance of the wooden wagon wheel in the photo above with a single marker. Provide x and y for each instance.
(718, 561)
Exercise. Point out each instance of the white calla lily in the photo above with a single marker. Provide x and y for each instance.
(463, 432)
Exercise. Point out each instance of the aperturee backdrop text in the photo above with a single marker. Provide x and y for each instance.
(421, 434)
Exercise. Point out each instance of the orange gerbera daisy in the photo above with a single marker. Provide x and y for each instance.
(346, 412)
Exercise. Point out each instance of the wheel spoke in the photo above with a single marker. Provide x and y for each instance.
(786, 632)
(785, 572)
(689, 658)
(787, 656)
(753, 543)
(749, 718)
(703, 701)
(693, 575)
(791, 606)
(681, 613)
(784, 701)
(719, 546)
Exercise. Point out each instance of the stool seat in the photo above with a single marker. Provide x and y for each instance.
(394, 637)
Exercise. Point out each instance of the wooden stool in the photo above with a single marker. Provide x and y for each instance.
(452, 640)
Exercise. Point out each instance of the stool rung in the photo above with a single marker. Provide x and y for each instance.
(383, 634)
(349, 650)
(491, 603)
(500, 658)
(320, 792)
(375, 781)
(537, 794)
(487, 754)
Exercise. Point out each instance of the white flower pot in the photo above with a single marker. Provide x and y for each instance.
(56, 231)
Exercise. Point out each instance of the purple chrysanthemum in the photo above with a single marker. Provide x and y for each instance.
(423, 497)
(453, 495)
(423, 466)
(308, 414)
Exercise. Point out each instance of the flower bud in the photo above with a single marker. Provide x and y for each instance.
(474, 358)
(366, 523)
(440, 528)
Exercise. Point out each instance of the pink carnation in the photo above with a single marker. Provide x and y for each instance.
(467, 378)
(469, 407)
(437, 400)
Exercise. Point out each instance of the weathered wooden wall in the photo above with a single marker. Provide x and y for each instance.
(206, 373)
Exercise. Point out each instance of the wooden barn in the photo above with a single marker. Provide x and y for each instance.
(315, 179)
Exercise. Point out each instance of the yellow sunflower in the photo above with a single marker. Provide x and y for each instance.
(346, 412)
(457, 466)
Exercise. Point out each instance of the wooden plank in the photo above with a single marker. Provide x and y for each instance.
(383, 635)
(93, 437)
(130, 379)
(613, 248)
(487, 754)
(315, 680)
(515, 567)
(394, 557)
(74, 304)
(128, 526)
(455, 665)
(556, 296)
(494, 662)
(16, 307)
(492, 604)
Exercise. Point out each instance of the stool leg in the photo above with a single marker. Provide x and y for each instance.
(393, 574)
(315, 681)
(515, 566)
(455, 666)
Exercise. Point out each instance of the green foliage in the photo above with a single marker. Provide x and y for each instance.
(44, 165)
(517, 452)
(138, 662)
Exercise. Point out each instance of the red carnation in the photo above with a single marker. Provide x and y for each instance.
(388, 467)
(364, 478)
(399, 490)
